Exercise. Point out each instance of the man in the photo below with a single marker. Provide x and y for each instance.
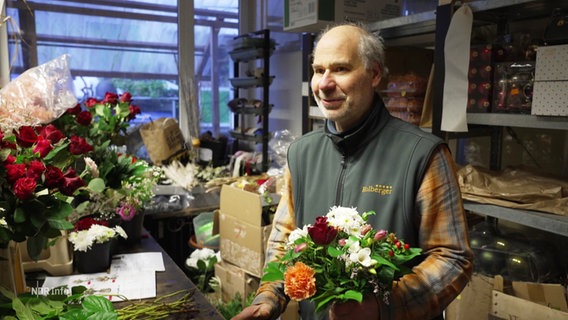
(367, 159)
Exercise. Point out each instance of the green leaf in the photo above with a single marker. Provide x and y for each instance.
(35, 245)
(19, 215)
(97, 304)
(352, 295)
(334, 252)
(22, 312)
(60, 210)
(60, 224)
(97, 185)
(273, 272)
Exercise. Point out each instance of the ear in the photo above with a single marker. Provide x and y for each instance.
(376, 74)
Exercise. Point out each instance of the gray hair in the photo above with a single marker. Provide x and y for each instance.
(371, 45)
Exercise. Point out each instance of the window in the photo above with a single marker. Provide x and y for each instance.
(129, 46)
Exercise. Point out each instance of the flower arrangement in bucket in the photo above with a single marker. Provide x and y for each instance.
(91, 241)
(340, 258)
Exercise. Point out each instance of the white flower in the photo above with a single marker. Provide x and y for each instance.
(92, 166)
(346, 219)
(297, 234)
(3, 222)
(83, 240)
(205, 255)
(363, 257)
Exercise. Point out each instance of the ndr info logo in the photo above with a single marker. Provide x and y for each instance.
(44, 291)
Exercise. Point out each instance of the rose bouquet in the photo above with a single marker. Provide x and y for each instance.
(38, 182)
(340, 258)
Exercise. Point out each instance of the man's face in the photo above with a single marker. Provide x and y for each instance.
(342, 87)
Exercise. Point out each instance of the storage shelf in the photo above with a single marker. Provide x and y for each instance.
(540, 220)
(518, 120)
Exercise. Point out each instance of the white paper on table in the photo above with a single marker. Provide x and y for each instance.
(115, 285)
(456, 53)
(150, 261)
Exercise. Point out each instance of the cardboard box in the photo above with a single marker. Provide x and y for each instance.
(550, 95)
(314, 15)
(235, 280)
(488, 297)
(506, 306)
(243, 233)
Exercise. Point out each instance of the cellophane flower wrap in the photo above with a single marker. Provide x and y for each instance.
(339, 258)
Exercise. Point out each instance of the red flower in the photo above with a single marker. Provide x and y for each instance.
(84, 118)
(86, 223)
(91, 102)
(15, 171)
(79, 145)
(71, 182)
(10, 160)
(111, 98)
(134, 110)
(35, 169)
(43, 147)
(75, 110)
(51, 133)
(26, 136)
(321, 233)
(126, 97)
(24, 188)
(53, 177)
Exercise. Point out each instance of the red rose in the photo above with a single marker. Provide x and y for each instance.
(91, 102)
(51, 133)
(53, 177)
(111, 98)
(75, 110)
(79, 145)
(321, 233)
(134, 110)
(35, 169)
(26, 136)
(43, 147)
(15, 171)
(24, 188)
(126, 97)
(84, 118)
(70, 182)
(10, 160)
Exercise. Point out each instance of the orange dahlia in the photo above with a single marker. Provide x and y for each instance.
(299, 282)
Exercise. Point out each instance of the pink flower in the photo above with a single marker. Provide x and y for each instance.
(126, 212)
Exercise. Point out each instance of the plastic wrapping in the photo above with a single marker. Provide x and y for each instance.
(279, 145)
(38, 96)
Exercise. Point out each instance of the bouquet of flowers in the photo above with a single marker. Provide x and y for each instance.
(89, 231)
(340, 258)
(38, 182)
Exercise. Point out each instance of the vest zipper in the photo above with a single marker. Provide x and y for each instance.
(339, 189)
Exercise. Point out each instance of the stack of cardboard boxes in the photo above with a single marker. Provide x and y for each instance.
(244, 227)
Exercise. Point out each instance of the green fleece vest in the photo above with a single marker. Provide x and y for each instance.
(377, 167)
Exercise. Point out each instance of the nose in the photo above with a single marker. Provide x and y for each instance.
(326, 82)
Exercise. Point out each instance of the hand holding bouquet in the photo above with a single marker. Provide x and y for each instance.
(340, 258)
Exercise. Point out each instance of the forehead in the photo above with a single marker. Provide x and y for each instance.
(339, 45)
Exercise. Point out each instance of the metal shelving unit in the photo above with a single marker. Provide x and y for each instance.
(432, 25)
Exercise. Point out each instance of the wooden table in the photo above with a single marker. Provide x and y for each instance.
(173, 280)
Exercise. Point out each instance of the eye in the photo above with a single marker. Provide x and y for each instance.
(318, 70)
(341, 69)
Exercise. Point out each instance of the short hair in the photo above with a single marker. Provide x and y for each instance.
(371, 44)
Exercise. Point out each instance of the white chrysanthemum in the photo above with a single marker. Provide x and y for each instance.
(363, 257)
(121, 232)
(3, 222)
(81, 240)
(347, 219)
(204, 255)
(297, 234)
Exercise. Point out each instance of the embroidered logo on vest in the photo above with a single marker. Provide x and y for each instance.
(381, 189)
